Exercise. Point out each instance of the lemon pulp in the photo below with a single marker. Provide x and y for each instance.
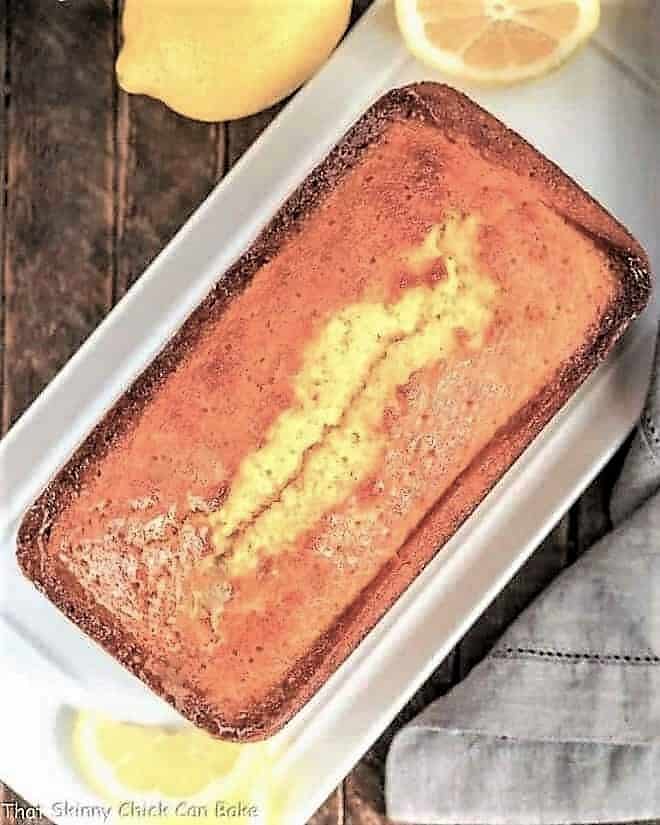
(496, 41)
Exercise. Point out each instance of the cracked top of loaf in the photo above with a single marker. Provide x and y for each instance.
(339, 404)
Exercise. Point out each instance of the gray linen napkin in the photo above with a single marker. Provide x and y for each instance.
(561, 722)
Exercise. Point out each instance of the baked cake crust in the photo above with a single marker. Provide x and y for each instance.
(457, 117)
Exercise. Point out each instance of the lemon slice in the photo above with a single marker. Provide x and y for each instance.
(161, 776)
(496, 41)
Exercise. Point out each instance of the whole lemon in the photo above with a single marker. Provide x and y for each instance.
(224, 59)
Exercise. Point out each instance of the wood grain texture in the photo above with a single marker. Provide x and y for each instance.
(363, 791)
(4, 132)
(591, 511)
(59, 215)
(332, 810)
(166, 165)
(15, 810)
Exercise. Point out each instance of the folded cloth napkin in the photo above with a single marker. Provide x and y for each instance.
(561, 722)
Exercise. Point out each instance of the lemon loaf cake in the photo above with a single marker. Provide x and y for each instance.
(351, 389)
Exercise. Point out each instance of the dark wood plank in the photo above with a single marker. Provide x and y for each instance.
(57, 157)
(364, 799)
(4, 126)
(592, 509)
(6, 797)
(15, 810)
(59, 221)
(358, 9)
(332, 810)
(591, 513)
(167, 165)
(6, 800)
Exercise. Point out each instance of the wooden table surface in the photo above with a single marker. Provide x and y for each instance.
(95, 183)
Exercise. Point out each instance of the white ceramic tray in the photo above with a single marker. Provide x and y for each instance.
(599, 120)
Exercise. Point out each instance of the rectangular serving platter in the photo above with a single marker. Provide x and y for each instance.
(597, 117)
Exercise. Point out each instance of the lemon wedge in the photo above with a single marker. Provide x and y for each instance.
(496, 41)
(161, 776)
